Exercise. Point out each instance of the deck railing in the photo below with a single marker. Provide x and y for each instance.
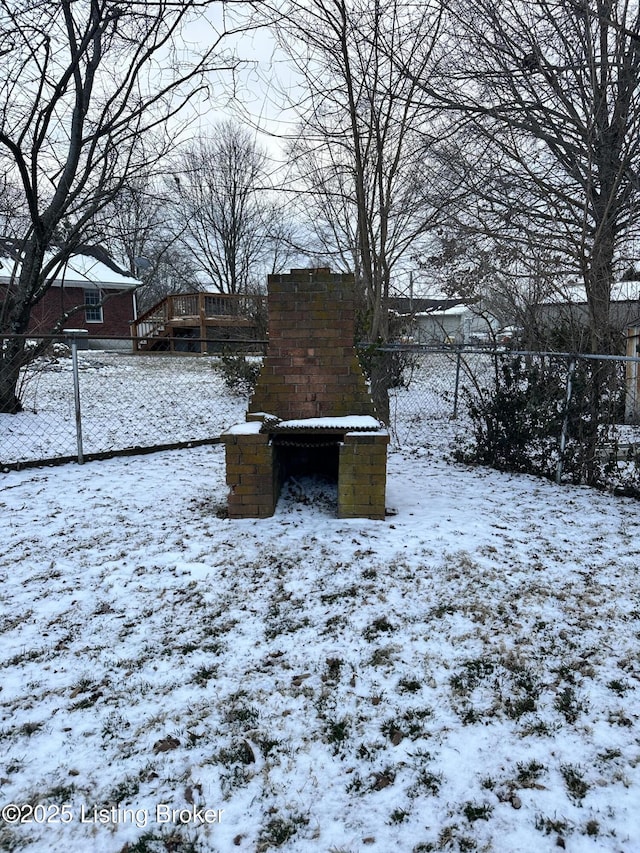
(197, 309)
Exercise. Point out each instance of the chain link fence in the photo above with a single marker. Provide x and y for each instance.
(429, 388)
(125, 402)
(82, 403)
(564, 416)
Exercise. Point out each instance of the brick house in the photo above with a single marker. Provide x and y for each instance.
(91, 287)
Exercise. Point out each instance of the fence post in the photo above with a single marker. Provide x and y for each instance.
(457, 386)
(72, 338)
(565, 421)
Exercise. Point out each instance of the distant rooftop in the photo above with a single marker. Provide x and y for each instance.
(88, 265)
(424, 305)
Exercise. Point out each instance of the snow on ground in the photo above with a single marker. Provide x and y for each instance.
(462, 676)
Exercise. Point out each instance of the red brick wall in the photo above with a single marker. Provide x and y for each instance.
(117, 312)
(310, 370)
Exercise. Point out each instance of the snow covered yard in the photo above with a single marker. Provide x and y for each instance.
(463, 676)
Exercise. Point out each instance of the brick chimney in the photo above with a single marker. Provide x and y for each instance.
(311, 369)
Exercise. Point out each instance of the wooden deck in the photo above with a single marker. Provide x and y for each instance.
(199, 323)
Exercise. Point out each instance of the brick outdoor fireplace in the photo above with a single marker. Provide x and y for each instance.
(311, 411)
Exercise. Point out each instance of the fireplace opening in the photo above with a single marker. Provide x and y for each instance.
(308, 470)
(310, 456)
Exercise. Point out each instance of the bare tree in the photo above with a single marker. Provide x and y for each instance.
(229, 221)
(517, 283)
(549, 95)
(361, 154)
(90, 91)
(145, 239)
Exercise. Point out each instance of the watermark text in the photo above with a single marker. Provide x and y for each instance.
(26, 813)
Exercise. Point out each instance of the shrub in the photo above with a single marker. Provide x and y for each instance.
(240, 373)
(394, 366)
(518, 419)
(517, 423)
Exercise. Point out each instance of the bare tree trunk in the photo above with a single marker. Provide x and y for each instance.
(11, 361)
(598, 279)
(380, 372)
(380, 385)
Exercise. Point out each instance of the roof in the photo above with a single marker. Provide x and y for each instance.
(89, 266)
(424, 305)
(458, 310)
(621, 291)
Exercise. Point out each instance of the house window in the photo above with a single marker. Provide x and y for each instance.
(93, 306)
